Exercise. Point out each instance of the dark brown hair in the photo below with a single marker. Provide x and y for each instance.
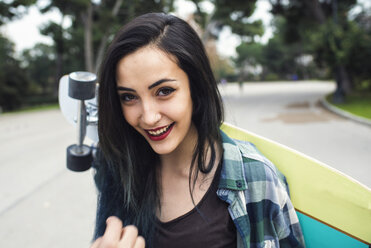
(127, 174)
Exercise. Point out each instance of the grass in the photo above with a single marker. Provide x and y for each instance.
(358, 103)
(34, 108)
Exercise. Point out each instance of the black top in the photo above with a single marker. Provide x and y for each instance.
(208, 225)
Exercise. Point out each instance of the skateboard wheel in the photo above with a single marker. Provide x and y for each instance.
(79, 158)
(81, 85)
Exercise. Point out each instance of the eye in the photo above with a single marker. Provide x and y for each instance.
(165, 91)
(125, 97)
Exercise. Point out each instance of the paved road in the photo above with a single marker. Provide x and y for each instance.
(43, 205)
(290, 113)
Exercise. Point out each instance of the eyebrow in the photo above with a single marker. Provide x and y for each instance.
(149, 87)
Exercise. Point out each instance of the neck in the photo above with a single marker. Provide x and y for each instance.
(177, 164)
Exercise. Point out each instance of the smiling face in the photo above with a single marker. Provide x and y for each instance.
(156, 100)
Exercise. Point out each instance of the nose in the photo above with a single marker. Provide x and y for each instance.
(150, 113)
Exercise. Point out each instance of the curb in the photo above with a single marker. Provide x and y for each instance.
(345, 114)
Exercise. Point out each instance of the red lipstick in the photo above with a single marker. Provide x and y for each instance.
(162, 135)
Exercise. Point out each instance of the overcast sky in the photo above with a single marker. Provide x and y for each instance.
(25, 32)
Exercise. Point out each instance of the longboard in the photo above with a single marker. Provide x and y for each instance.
(68, 107)
(334, 210)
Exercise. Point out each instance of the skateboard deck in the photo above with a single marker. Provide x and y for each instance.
(334, 210)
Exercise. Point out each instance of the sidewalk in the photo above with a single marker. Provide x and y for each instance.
(345, 114)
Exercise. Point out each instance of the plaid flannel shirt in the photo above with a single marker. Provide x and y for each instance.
(258, 198)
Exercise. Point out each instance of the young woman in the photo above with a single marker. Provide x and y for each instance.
(164, 165)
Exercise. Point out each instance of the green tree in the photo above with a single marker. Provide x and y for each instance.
(55, 31)
(276, 59)
(82, 46)
(233, 14)
(359, 53)
(39, 65)
(14, 86)
(249, 56)
(12, 9)
(325, 29)
(96, 21)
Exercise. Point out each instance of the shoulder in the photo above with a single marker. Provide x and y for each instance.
(257, 167)
(265, 194)
(262, 180)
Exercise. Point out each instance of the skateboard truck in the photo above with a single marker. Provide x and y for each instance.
(81, 87)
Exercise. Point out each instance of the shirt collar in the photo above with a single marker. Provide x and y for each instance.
(232, 174)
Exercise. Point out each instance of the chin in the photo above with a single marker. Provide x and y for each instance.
(161, 149)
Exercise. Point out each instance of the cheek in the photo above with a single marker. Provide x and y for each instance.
(130, 115)
(182, 109)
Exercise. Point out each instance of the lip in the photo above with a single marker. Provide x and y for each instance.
(158, 128)
(162, 136)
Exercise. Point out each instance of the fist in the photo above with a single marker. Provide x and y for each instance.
(117, 236)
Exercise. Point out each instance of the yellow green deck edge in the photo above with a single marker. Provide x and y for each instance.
(317, 189)
(319, 235)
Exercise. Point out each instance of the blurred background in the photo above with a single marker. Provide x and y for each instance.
(262, 40)
(277, 62)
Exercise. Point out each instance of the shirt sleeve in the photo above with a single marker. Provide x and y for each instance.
(285, 220)
(269, 200)
(272, 217)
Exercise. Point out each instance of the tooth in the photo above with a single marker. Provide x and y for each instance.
(160, 131)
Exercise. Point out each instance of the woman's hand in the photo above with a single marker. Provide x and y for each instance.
(117, 236)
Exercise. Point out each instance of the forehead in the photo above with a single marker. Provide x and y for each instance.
(145, 66)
